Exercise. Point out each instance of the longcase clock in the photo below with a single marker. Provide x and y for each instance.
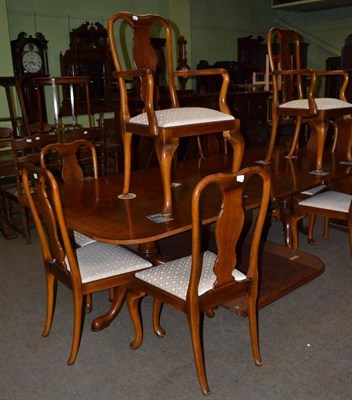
(29, 56)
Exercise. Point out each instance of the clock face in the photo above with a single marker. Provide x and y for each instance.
(32, 62)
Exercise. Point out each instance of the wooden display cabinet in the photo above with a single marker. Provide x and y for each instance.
(89, 55)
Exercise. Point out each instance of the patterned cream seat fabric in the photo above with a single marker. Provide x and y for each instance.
(183, 116)
(82, 240)
(199, 283)
(88, 269)
(329, 204)
(102, 260)
(173, 277)
(325, 103)
(330, 200)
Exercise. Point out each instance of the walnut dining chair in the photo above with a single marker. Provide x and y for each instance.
(73, 161)
(168, 125)
(90, 268)
(294, 95)
(196, 284)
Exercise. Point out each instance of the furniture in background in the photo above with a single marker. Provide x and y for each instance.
(198, 283)
(64, 96)
(24, 149)
(343, 62)
(15, 94)
(294, 95)
(90, 268)
(250, 57)
(30, 59)
(7, 178)
(166, 126)
(68, 101)
(89, 55)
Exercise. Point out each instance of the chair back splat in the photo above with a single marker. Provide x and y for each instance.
(199, 283)
(76, 159)
(88, 269)
(165, 125)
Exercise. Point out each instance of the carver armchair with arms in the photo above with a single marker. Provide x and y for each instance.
(205, 280)
(91, 268)
(294, 95)
(165, 125)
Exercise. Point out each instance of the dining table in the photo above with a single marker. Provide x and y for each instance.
(93, 207)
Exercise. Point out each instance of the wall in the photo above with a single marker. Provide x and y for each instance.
(216, 25)
(324, 30)
(55, 19)
(6, 64)
(210, 27)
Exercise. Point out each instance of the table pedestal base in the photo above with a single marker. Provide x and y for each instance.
(282, 271)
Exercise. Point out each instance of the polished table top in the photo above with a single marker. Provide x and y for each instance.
(94, 209)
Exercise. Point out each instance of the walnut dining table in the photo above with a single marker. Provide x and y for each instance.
(93, 208)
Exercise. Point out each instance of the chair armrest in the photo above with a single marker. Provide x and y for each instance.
(305, 72)
(207, 72)
(345, 80)
(135, 73)
(312, 85)
(147, 95)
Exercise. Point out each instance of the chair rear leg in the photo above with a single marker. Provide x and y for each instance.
(253, 329)
(77, 326)
(295, 137)
(89, 303)
(194, 320)
(274, 127)
(51, 287)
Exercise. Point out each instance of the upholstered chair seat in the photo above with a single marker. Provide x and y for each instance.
(330, 200)
(102, 260)
(82, 240)
(173, 277)
(183, 116)
(325, 103)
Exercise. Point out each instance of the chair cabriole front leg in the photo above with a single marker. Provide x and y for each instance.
(165, 149)
(127, 140)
